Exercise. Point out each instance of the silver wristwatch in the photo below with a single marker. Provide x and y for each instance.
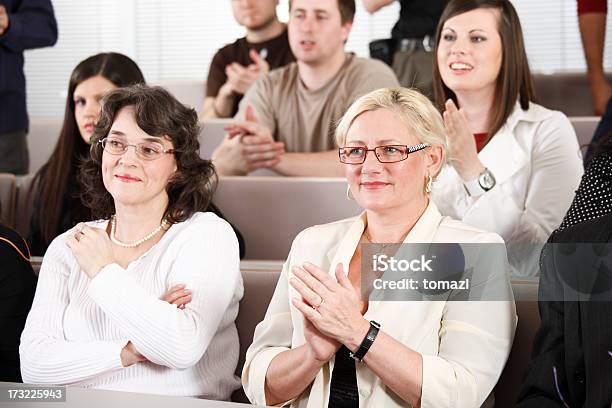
(480, 185)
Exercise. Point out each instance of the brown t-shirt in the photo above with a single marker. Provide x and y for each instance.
(279, 54)
(304, 119)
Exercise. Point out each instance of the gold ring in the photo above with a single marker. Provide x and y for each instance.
(319, 305)
(79, 230)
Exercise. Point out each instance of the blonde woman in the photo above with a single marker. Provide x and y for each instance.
(431, 353)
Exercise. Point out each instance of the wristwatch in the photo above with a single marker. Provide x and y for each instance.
(483, 183)
(367, 342)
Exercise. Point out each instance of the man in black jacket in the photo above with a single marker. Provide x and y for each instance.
(413, 41)
(24, 24)
(572, 356)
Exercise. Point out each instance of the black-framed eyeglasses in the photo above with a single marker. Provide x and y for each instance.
(145, 150)
(384, 154)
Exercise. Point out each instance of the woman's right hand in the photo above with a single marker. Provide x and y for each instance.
(321, 347)
(130, 356)
(178, 296)
(463, 154)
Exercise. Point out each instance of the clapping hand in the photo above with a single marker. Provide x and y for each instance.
(330, 307)
(241, 78)
(462, 145)
(248, 146)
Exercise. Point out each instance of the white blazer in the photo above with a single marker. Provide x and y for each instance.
(464, 344)
(537, 163)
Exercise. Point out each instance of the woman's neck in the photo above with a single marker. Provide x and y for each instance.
(393, 226)
(477, 106)
(135, 222)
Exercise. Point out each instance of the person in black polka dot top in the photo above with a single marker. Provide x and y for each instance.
(594, 195)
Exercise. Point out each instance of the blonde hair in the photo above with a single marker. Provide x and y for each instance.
(410, 106)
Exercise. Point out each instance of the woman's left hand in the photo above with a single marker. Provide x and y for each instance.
(331, 306)
(462, 145)
(92, 249)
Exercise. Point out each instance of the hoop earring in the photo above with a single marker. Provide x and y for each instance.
(428, 185)
(349, 196)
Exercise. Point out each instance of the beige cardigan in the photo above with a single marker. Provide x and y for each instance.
(464, 344)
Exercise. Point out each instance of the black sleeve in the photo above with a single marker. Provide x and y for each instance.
(216, 74)
(17, 287)
(539, 388)
(31, 25)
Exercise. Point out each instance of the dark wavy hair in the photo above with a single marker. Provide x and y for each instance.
(159, 114)
(53, 179)
(514, 81)
(600, 146)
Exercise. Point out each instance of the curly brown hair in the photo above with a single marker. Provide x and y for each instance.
(159, 114)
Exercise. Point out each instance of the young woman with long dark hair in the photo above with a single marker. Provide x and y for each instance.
(56, 203)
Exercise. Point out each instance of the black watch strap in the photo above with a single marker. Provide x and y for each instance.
(367, 341)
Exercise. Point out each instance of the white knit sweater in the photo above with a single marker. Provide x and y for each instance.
(77, 326)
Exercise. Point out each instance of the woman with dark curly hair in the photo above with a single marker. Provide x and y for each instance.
(57, 204)
(97, 318)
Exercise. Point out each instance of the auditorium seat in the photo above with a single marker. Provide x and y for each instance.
(271, 211)
(42, 138)
(568, 92)
(25, 201)
(585, 128)
(258, 290)
(212, 133)
(189, 92)
(8, 196)
(36, 263)
(508, 386)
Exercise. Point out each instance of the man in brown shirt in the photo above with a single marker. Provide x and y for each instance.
(238, 65)
(288, 116)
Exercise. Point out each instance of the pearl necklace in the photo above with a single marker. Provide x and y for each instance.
(134, 244)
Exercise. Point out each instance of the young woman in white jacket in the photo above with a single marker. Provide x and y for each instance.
(514, 165)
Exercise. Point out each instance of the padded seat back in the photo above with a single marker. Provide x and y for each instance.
(25, 202)
(8, 195)
(509, 384)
